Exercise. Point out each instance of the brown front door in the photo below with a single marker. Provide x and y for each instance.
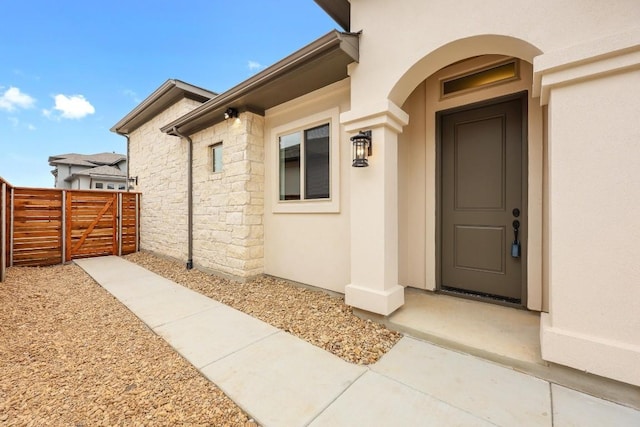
(482, 192)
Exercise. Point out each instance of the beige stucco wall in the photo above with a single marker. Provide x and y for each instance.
(160, 163)
(228, 226)
(412, 193)
(594, 192)
(305, 244)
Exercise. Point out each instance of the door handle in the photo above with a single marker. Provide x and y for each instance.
(515, 246)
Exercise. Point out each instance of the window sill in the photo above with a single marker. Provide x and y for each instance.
(306, 206)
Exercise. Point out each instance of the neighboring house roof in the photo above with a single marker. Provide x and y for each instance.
(166, 95)
(339, 10)
(100, 165)
(316, 65)
(105, 172)
(89, 160)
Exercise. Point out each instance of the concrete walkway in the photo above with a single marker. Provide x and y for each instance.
(281, 380)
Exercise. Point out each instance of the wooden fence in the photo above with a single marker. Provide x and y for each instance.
(50, 226)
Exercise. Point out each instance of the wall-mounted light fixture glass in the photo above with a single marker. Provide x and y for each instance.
(361, 149)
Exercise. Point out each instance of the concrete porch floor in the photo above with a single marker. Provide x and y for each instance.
(504, 335)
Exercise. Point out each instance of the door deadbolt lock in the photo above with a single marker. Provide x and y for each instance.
(516, 212)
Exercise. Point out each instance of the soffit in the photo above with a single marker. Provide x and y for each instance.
(339, 10)
(317, 65)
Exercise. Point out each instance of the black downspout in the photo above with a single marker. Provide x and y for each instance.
(126, 135)
(189, 197)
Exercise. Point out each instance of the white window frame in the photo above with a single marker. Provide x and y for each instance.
(212, 149)
(330, 205)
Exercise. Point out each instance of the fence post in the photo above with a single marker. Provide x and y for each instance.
(67, 229)
(119, 224)
(137, 222)
(13, 190)
(3, 233)
(63, 231)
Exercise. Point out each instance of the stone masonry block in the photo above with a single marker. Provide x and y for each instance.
(253, 219)
(239, 198)
(257, 232)
(241, 231)
(240, 186)
(237, 252)
(234, 218)
(239, 168)
(254, 210)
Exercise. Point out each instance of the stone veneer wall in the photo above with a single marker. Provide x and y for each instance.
(228, 205)
(160, 163)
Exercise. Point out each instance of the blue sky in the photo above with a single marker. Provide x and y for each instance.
(69, 70)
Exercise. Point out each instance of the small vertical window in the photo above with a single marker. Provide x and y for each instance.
(216, 157)
(122, 187)
(304, 164)
(99, 185)
(110, 187)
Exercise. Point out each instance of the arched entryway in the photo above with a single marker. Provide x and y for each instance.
(427, 244)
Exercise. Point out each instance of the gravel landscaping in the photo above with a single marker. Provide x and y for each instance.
(313, 315)
(72, 355)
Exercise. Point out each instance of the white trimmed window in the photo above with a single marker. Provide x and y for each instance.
(99, 185)
(306, 164)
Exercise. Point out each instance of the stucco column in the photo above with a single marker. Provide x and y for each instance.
(593, 97)
(374, 214)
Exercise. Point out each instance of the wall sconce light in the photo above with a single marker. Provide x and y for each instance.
(361, 149)
(230, 113)
(133, 180)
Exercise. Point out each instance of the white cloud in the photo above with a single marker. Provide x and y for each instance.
(13, 98)
(71, 107)
(31, 127)
(253, 65)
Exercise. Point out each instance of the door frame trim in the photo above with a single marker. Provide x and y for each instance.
(523, 96)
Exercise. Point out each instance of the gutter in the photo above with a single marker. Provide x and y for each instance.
(175, 131)
(327, 42)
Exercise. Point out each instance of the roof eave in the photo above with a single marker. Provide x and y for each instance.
(338, 10)
(334, 43)
(169, 92)
(108, 177)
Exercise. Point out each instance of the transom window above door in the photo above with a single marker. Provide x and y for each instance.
(304, 164)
